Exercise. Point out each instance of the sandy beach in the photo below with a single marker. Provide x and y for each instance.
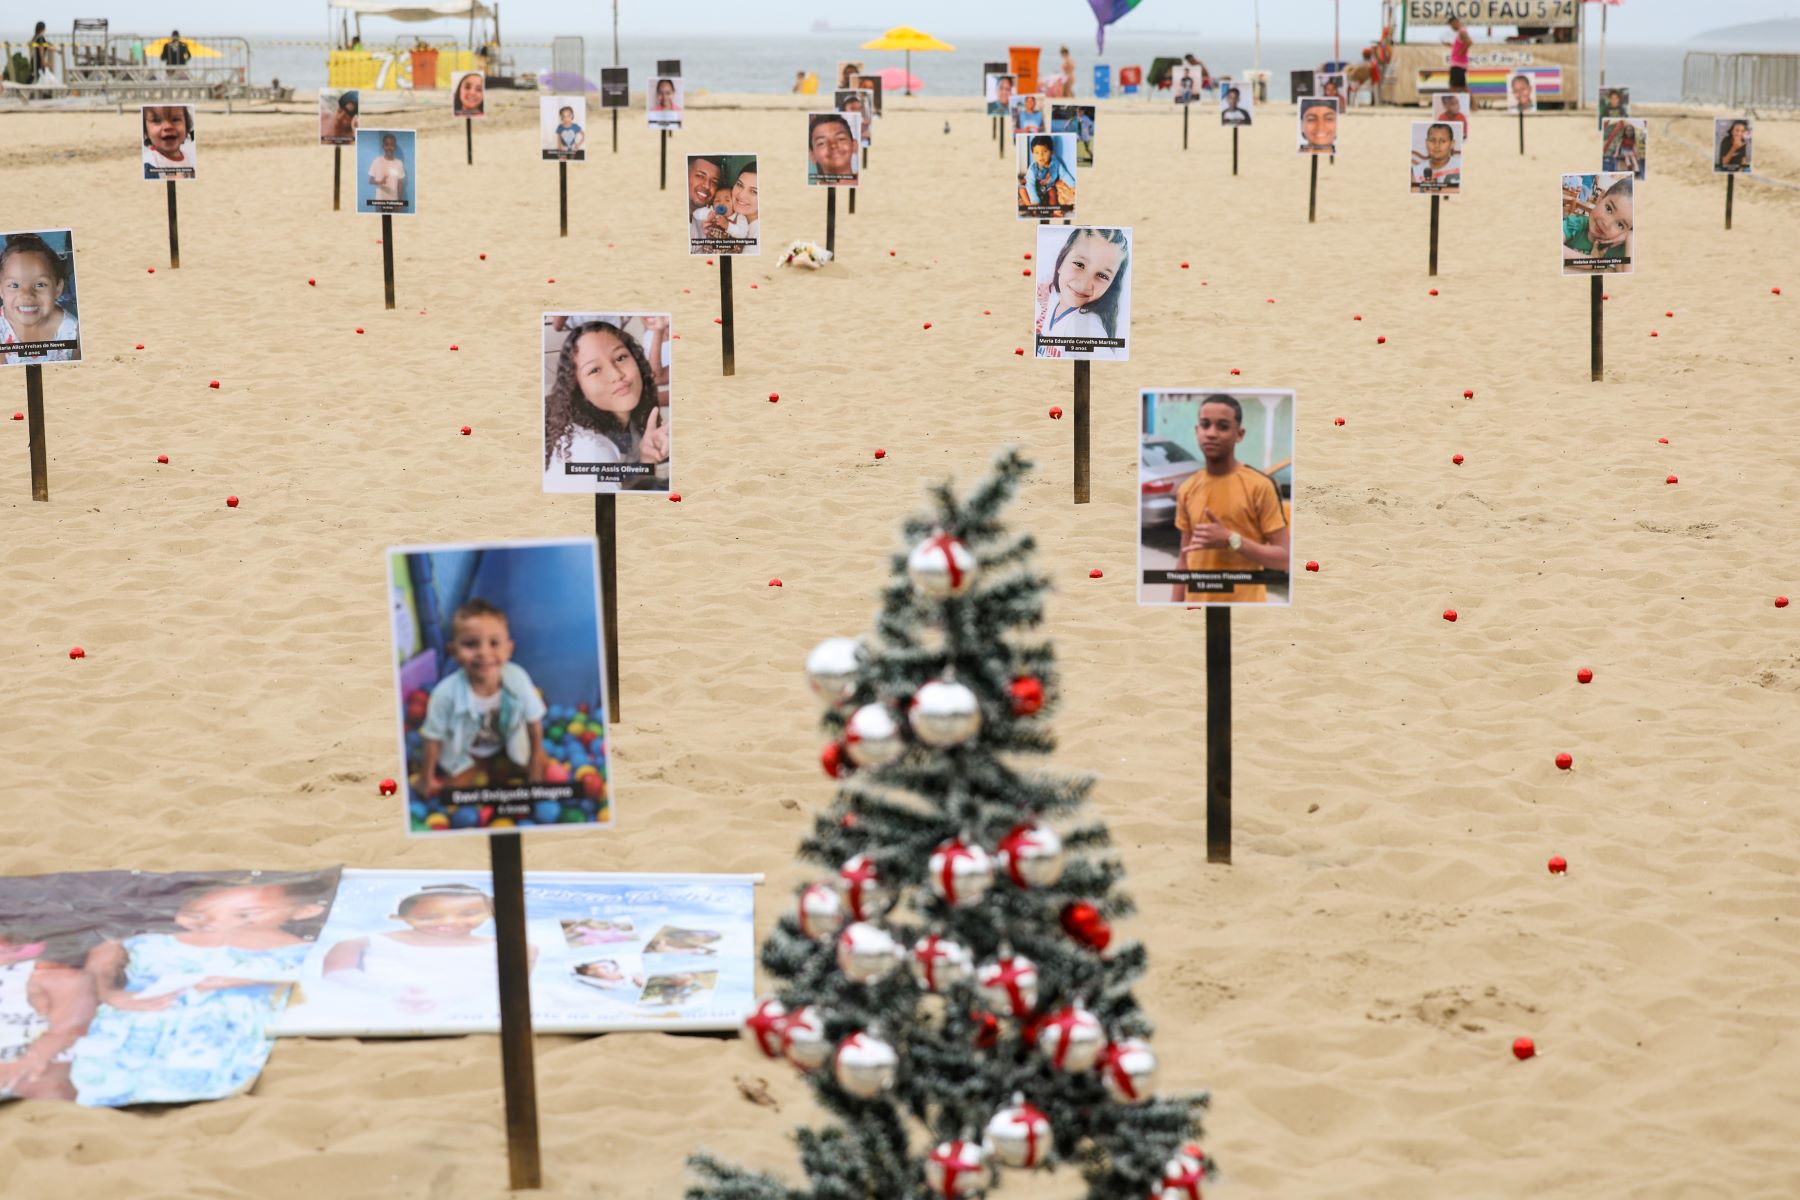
(1348, 989)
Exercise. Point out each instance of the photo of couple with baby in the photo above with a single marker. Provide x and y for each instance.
(126, 987)
(724, 216)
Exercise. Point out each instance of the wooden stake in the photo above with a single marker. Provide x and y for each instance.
(853, 201)
(337, 175)
(174, 228)
(1596, 328)
(517, 1070)
(1521, 131)
(1218, 733)
(1185, 109)
(387, 256)
(562, 195)
(831, 219)
(1434, 232)
(615, 115)
(1234, 149)
(606, 532)
(469, 139)
(34, 430)
(1312, 196)
(664, 183)
(1081, 430)
(727, 326)
(1730, 187)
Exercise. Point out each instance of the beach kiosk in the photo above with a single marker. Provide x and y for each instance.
(409, 62)
(1541, 38)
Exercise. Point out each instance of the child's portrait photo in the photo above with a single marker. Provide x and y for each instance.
(1046, 167)
(619, 977)
(615, 87)
(1731, 139)
(1236, 104)
(1330, 84)
(862, 103)
(1597, 224)
(1436, 158)
(1625, 145)
(832, 140)
(872, 85)
(1614, 102)
(1028, 113)
(1521, 93)
(1186, 84)
(664, 102)
(386, 172)
(1215, 487)
(1453, 107)
(606, 402)
(681, 989)
(39, 321)
(671, 939)
(562, 128)
(599, 931)
(1077, 120)
(168, 141)
(468, 94)
(1318, 125)
(1083, 281)
(499, 682)
(337, 117)
(724, 214)
(999, 93)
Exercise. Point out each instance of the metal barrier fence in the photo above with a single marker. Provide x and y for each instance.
(1748, 81)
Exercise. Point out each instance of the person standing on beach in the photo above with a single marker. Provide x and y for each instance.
(1229, 514)
(43, 54)
(175, 52)
(1459, 56)
(1068, 73)
(388, 173)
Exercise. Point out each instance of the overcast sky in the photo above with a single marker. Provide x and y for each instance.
(1299, 20)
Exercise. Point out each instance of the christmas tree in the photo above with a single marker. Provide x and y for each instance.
(956, 967)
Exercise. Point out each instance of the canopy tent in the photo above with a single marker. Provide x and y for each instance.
(905, 37)
(415, 11)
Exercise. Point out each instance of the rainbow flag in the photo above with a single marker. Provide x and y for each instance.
(1106, 12)
(1491, 81)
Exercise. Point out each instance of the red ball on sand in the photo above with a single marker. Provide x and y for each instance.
(1019, 350)
(709, 262)
(1605, 295)
(1781, 602)
(774, 396)
(387, 787)
(1450, 615)
(1337, 420)
(890, 254)
(484, 256)
(466, 431)
(1653, 333)
(18, 416)
(1055, 413)
(311, 282)
(1584, 676)
(231, 502)
(77, 652)
(880, 453)
(1235, 371)
(1357, 317)
(1027, 271)
(140, 345)
(774, 583)
(1523, 1048)
(1468, 393)
(1096, 573)
(1558, 865)
(986, 313)
(1672, 479)
(928, 324)
(150, 270)
(1381, 339)
(1028, 258)
(1457, 459)
(1668, 314)
(454, 346)
(162, 458)
(1775, 290)
(1662, 441)
(753, 287)
(1312, 565)
(674, 497)
(1564, 761)
(359, 329)
(1434, 291)
(1184, 266)
(214, 385)
(1271, 300)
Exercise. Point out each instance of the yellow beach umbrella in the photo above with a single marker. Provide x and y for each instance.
(155, 49)
(905, 37)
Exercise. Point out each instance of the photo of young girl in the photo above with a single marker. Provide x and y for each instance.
(438, 967)
(184, 1015)
(468, 94)
(168, 141)
(1597, 224)
(45, 1006)
(730, 221)
(1083, 293)
(562, 132)
(337, 117)
(606, 402)
(1625, 146)
(664, 102)
(1046, 166)
(38, 322)
(1436, 158)
(1732, 137)
(610, 975)
(499, 685)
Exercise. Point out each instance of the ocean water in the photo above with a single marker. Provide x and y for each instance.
(767, 64)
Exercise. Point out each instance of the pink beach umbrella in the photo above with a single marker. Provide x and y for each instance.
(893, 79)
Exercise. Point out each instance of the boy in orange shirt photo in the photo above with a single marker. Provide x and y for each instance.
(1229, 514)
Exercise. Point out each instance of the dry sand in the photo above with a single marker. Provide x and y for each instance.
(1348, 989)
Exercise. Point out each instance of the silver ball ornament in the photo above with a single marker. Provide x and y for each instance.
(803, 1039)
(1032, 855)
(1019, 1135)
(1071, 1038)
(864, 1065)
(1008, 985)
(1128, 1069)
(939, 964)
(867, 953)
(831, 668)
(961, 872)
(821, 911)
(864, 892)
(941, 566)
(944, 713)
(872, 737)
(956, 1169)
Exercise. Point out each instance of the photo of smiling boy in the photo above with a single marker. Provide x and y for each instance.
(1083, 293)
(38, 321)
(338, 112)
(1046, 164)
(1597, 224)
(1000, 94)
(1076, 119)
(1318, 124)
(1521, 93)
(168, 141)
(1436, 158)
(831, 149)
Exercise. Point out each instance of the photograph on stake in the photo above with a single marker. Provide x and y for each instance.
(168, 141)
(1318, 125)
(1046, 166)
(1731, 139)
(872, 85)
(831, 144)
(1083, 293)
(1453, 107)
(1436, 158)
(1186, 84)
(1215, 488)
(1597, 224)
(1330, 85)
(1521, 93)
(862, 104)
(385, 178)
(500, 687)
(1078, 120)
(664, 102)
(39, 315)
(1614, 102)
(615, 87)
(562, 128)
(1028, 113)
(468, 94)
(1236, 106)
(606, 402)
(337, 117)
(723, 214)
(1625, 146)
(999, 94)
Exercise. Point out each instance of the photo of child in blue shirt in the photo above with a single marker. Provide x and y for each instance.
(484, 720)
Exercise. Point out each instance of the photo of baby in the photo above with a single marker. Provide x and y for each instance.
(613, 975)
(337, 117)
(606, 401)
(1046, 167)
(673, 940)
(1436, 158)
(1083, 293)
(38, 310)
(1597, 224)
(500, 685)
(599, 931)
(724, 216)
(168, 141)
(438, 966)
(562, 133)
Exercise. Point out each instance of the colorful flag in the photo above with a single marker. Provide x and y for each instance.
(1106, 12)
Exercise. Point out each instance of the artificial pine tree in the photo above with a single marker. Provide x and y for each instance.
(956, 968)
